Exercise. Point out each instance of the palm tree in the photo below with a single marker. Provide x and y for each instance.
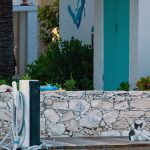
(7, 65)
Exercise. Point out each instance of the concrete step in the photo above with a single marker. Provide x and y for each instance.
(96, 143)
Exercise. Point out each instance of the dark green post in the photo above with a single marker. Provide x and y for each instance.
(34, 113)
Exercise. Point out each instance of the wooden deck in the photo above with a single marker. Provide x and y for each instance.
(95, 143)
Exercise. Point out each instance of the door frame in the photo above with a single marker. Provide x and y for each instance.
(99, 44)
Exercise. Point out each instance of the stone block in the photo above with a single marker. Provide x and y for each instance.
(121, 123)
(79, 106)
(110, 117)
(60, 105)
(92, 120)
(121, 105)
(51, 116)
(103, 105)
(131, 114)
(57, 129)
(68, 116)
(141, 104)
(72, 126)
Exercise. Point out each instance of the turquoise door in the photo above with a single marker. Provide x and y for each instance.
(116, 43)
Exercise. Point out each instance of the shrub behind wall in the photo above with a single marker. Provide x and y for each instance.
(63, 60)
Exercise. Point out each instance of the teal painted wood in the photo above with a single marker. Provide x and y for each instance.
(116, 43)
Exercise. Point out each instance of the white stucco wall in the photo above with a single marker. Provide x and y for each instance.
(98, 45)
(68, 29)
(144, 38)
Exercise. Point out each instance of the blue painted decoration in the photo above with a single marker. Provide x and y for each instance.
(77, 14)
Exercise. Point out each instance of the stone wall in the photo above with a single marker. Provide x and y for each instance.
(88, 113)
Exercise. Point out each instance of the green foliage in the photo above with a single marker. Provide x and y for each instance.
(63, 59)
(49, 19)
(70, 84)
(58, 85)
(86, 83)
(143, 84)
(3, 82)
(124, 86)
(26, 77)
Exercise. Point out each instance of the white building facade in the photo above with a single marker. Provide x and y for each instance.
(94, 13)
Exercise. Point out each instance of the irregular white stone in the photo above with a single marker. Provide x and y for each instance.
(68, 116)
(77, 94)
(131, 114)
(88, 131)
(111, 133)
(1, 124)
(60, 105)
(135, 93)
(104, 105)
(53, 95)
(148, 125)
(102, 124)
(42, 125)
(51, 116)
(77, 118)
(141, 104)
(3, 105)
(147, 114)
(121, 124)
(6, 96)
(92, 120)
(95, 92)
(109, 94)
(121, 105)
(119, 98)
(110, 117)
(5, 115)
(57, 129)
(99, 129)
(121, 92)
(49, 102)
(42, 97)
(42, 109)
(72, 126)
(79, 106)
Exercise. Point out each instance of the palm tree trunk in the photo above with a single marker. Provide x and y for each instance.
(7, 65)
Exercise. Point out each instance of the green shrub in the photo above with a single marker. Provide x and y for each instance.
(3, 82)
(143, 84)
(124, 86)
(26, 77)
(70, 84)
(63, 59)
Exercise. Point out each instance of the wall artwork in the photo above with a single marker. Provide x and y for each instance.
(77, 13)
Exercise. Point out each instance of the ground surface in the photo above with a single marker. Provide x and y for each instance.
(96, 143)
